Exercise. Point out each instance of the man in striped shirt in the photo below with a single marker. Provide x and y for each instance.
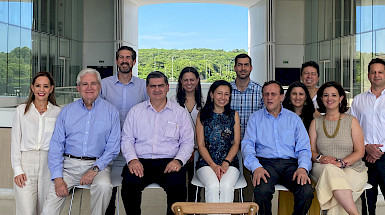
(246, 98)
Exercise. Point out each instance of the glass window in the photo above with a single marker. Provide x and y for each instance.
(378, 14)
(14, 13)
(44, 50)
(338, 18)
(3, 58)
(347, 17)
(345, 51)
(366, 18)
(380, 43)
(357, 67)
(26, 14)
(321, 20)
(336, 63)
(4, 11)
(366, 55)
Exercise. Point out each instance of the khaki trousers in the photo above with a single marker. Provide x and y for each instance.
(30, 198)
(73, 170)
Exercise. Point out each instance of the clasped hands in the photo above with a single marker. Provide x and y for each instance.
(300, 175)
(219, 170)
(136, 167)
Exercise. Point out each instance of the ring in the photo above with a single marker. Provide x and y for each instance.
(175, 167)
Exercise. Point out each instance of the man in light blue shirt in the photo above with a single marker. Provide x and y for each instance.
(276, 148)
(123, 90)
(85, 140)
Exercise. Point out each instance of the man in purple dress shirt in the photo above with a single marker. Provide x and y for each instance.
(157, 140)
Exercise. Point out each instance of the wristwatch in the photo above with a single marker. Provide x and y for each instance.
(318, 158)
(95, 168)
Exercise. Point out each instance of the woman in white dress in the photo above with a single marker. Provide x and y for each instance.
(32, 128)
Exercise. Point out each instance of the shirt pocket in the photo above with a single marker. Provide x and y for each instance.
(172, 130)
(49, 124)
(101, 128)
(288, 137)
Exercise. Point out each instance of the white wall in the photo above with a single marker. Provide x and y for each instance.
(257, 41)
(98, 34)
(289, 33)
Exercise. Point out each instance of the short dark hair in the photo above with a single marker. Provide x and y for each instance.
(241, 56)
(376, 60)
(128, 49)
(344, 103)
(281, 91)
(310, 63)
(156, 74)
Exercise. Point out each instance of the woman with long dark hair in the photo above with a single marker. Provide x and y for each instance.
(32, 129)
(189, 96)
(297, 99)
(218, 136)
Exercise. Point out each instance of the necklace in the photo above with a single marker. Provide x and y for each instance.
(335, 131)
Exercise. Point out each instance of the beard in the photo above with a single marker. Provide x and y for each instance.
(128, 70)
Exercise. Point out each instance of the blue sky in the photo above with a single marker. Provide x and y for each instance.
(193, 25)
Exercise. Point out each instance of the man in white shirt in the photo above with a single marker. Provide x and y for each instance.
(369, 108)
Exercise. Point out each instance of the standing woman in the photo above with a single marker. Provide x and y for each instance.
(218, 136)
(297, 99)
(32, 129)
(189, 96)
(337, 145)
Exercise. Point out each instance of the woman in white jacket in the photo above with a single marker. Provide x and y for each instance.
(32, 128)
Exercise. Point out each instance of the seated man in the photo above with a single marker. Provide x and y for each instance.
(276, 149)
(85, 140)
(157, 140)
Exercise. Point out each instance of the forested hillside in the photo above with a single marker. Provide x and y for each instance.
(211, 64)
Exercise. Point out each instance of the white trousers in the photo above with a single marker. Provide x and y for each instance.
(215, 190)
(30, 198)
(101, 188)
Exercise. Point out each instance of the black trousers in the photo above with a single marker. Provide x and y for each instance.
(376, 177)
(281, 171)
(173, 183)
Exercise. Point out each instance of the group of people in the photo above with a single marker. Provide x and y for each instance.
(289, 139)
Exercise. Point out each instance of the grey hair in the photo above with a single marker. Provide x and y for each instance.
(85, 71)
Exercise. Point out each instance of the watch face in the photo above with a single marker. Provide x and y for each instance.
(95, 168)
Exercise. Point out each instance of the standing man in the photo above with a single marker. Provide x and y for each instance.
(310, 77)
(246, 98)
(123, 90)
(276, 149)
(369, 108)
(85, 140)
(157, 140)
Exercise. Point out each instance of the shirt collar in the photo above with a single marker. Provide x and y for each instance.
(249, 85)
(370, 91)
(94, 104)
(168, 105)
(268, 114)
(117, 79)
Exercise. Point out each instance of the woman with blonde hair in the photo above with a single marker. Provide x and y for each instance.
(32, 128)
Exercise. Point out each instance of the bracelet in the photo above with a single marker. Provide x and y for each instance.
(343, 163)
(319, 158)
(227, 161)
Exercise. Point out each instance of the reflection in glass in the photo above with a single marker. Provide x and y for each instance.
(26, 14)
(378, 14)
(4, 11)
(380, 43)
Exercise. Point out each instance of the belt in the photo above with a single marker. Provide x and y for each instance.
(80, 158)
